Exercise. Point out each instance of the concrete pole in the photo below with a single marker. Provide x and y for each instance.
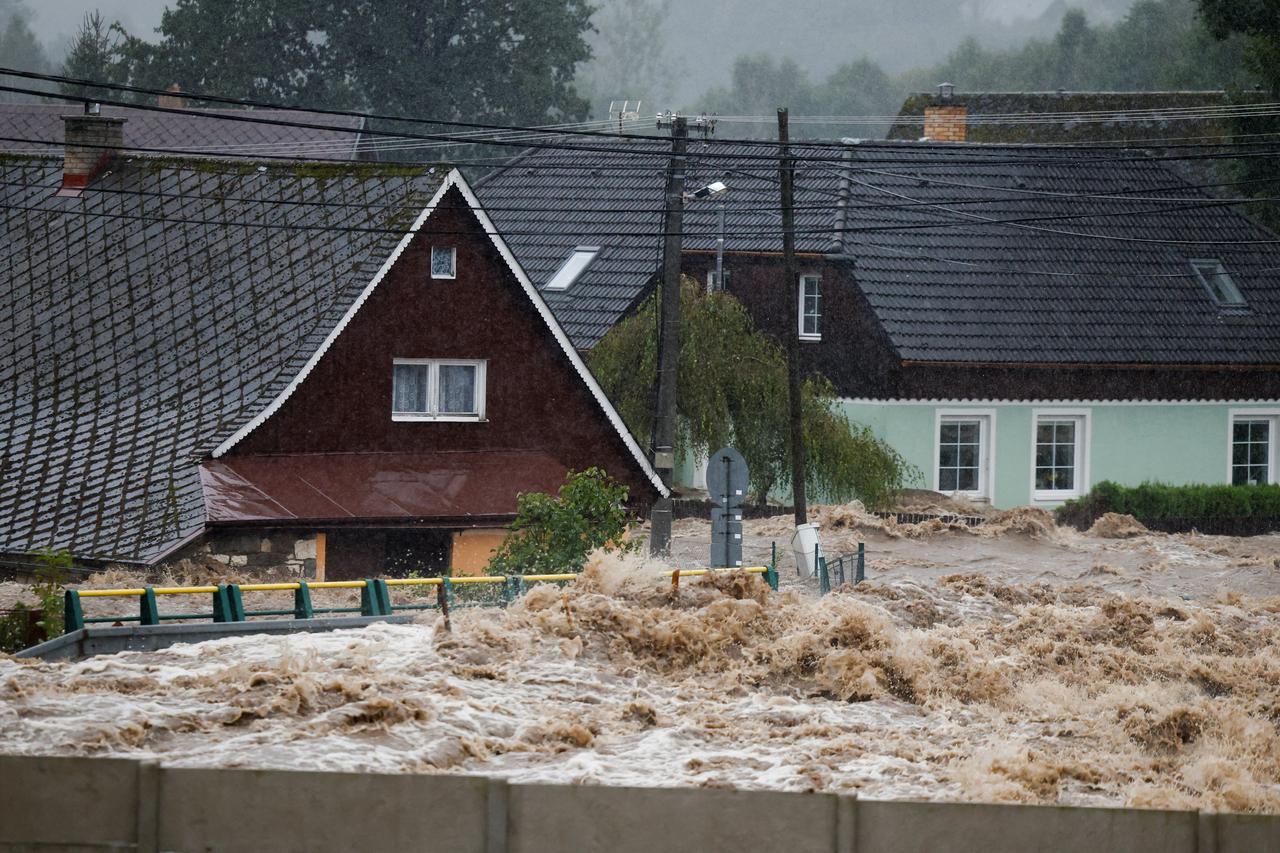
(664, 427)
(791, 292)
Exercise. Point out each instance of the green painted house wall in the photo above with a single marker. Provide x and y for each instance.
(1129, 443)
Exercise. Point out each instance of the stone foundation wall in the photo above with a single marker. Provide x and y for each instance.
(270, 552)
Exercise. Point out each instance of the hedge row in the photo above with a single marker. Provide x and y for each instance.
(1155, 501)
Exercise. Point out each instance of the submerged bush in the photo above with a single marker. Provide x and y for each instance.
(1156, 501)
(555, 534)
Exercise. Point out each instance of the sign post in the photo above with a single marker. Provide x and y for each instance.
(727, 484)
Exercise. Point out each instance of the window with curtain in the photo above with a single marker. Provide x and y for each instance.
(437, 389)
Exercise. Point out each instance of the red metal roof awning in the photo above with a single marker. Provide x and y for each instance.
(349, 487)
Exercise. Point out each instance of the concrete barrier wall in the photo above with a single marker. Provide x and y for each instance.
(70, 805)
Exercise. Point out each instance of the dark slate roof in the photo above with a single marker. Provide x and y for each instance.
(148, 320)
(1093, 280)
(1099, 116)
(194, 132)
(551, 201)
(1086, 281)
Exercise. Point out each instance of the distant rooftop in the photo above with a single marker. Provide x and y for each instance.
(193, 132)
(1065, 116)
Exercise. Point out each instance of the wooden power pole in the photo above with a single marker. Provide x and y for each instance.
(664, 427)
(791, 292)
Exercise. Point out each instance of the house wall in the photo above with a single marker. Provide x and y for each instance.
(1129, 443)
(534, 400)
(1132, 440)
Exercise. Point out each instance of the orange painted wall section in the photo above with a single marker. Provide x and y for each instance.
(472, 549)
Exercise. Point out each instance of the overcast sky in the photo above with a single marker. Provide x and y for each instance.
(55, 21)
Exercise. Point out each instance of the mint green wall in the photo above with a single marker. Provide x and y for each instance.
(1177, 444)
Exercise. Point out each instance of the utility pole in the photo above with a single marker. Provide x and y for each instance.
(664, 426)
(791, 292)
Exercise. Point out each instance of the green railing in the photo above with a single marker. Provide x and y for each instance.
(227, 600)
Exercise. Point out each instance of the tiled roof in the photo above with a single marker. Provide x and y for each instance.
(551, 201)
(149, 319)
(1070, 287)
(194, 132)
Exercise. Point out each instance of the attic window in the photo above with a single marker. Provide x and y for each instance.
(444, 262)
(1215, 278)
(573, 267)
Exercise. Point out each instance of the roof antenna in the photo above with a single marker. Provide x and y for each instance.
(624, 111)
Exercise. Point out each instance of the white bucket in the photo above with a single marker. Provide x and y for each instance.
(806, 547)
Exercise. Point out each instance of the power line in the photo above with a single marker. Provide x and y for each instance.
(428, 137)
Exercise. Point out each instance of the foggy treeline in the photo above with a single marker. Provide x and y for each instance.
(735, 58)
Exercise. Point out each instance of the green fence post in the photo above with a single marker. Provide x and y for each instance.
(824, 579)
(771, 574)
(446, 593)
(235, 603)
(221, 606)
(72, 612)
(302, 602)
(370, 603)
(147, 608)
(508, 589)
(382, 593)
(862, 563)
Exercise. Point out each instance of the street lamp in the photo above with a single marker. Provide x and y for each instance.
(716, 190)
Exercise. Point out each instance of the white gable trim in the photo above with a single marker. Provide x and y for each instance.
(455, 179)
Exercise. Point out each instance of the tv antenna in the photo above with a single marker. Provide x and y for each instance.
(624, 111)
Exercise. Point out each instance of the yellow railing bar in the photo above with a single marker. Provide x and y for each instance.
(693, 573)
(464, 579)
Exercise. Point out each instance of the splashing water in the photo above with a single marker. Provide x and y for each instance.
(959, 688)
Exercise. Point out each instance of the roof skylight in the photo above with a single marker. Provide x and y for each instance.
(573, 267)
(1215, 278)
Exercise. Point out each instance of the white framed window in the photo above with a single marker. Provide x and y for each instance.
(1218, 282)
(1059, 454)
(1252, 447)
(963, 450)
(713, 284)
(810, 291)
(572, 268)
(444, 262)
(431, 389)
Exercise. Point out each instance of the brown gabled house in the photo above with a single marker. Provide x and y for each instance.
(334, 369)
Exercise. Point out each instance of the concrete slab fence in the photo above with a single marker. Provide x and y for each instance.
(70, 805)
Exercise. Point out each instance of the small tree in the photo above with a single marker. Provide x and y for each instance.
(96, 55)
(555, 534)
(733, 390)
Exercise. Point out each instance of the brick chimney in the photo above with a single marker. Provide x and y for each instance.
(173, 100)
(945, 121)
(91, 141)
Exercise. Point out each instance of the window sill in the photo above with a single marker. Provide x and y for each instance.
(410, 418)
(443, 277)
(810, 339)
(1053, 497)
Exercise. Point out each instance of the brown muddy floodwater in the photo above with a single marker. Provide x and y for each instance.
(1020, 664)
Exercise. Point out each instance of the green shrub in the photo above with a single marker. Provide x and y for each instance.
(555, 534)
(52, 574)
(1154, 501)
(13, 629)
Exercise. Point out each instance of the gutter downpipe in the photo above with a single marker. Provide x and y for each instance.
(720, 246)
